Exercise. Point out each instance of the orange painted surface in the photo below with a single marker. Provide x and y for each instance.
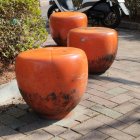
(52, 80)
(100, 45)
(62, 22)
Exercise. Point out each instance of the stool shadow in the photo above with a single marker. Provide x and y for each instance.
(114, 79)
(132, 117)
(12, 123)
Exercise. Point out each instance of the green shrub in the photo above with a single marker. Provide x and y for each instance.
(131, 4)
(134, 8)
(77, 3)
(21, 27)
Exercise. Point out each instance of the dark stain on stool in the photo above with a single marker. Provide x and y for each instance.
(60, 100)
(66, 97)
(100, 65)
(109, 58)
(52, 96)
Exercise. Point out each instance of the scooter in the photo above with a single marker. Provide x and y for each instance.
(106, 13)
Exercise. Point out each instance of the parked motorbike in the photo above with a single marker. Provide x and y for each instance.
(106, 13)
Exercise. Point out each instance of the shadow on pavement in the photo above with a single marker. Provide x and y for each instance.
(136, 60)
(19, 118)
(114, 79)
(113, 127)
(130, 35)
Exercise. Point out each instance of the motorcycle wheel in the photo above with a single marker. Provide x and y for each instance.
(52, 9)
(113, 18)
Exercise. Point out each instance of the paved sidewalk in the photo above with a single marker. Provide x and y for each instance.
(109, 110)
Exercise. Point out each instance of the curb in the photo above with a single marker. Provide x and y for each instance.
(8, 92)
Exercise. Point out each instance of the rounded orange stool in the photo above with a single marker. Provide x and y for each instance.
(100, 45)
(52, 80)
(62, 22)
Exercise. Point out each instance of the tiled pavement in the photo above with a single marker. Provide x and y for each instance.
(109, 110)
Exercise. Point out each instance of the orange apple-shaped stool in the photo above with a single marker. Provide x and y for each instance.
(62, 22)
(100, 45)
(52, 80)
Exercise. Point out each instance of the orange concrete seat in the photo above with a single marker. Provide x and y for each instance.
(62, 22)
(52, 80)
(100, 45)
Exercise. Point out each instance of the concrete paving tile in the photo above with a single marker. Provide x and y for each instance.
(137, 109)
(135, 101)
(97, 87)
(37, 125)
(137, 86)
(134, 94)
(125, 107)
(121, 98)
(87, 126)
(17, 136)
(82, 118)
(54, 129)
(79, 109)
(23, 106)
(119, 76)
(133, 129)
(96, 81)
(91, 113)
(111, 85)
(90, 85)
(86, 96)
(99, 94)
(67, 122)
(5, 130)
(38, 135)
(102, 101)
(131, 89)
(29, 117)
(94, 135)
(14, 111)
(111, 122)
(116, 91)
(138, 138)
(110, 138)
(70, 135)
(130, 117)
(11, 121)
(87, 103)
(119, 135)
(106, 111)
(7, 133)
(120, 66)
(57, 138)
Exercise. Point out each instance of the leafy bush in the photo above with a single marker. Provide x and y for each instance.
(21, 27)
(131, 4)
(77, 3)
(134, 8)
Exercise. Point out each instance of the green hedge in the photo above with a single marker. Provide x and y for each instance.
(77, 3)
(134, 8)
(21, 27)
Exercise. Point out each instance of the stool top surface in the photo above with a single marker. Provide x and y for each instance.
(93, 30)
(67, 14)
(47, 53)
